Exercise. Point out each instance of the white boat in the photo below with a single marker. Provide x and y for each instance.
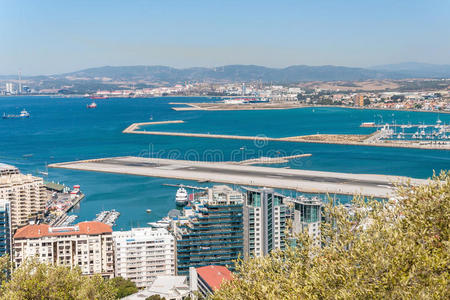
(24, 114)
(181, 198)
(163, 223)
(92, 105)
(148, 210)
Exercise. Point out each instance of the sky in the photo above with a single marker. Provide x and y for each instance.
(57, 36)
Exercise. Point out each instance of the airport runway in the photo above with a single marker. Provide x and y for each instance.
(222, 172)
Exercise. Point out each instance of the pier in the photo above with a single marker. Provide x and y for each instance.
(339, 139)
(381, 186)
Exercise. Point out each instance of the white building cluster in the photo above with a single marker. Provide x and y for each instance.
(253, 223)
(141, 254)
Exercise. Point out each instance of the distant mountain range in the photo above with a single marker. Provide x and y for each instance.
(230, 73)
(240, 73)
(417, 70)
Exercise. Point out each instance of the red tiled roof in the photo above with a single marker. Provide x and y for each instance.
(41, 230)
(214, 275)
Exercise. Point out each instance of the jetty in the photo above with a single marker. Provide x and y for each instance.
(133, 128)
(381, 186)
(339, 139)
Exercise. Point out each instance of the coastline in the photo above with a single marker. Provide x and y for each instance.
(193, 106)
(205, 106)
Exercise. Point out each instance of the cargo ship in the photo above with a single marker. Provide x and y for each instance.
(23, 115)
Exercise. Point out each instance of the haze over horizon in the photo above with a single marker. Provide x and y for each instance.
(51, 37)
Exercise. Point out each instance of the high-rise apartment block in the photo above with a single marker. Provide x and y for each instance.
(25, 193)
(359, 100)
(307, 217)
(142, 254)
(210, 230)
(88, 245)
(5, 227)
(265, 216)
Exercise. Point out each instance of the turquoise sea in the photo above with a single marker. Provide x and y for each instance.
(63, 129)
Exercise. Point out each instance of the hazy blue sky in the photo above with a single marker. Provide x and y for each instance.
(45, 37)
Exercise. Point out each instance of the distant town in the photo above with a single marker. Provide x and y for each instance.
(414, 94)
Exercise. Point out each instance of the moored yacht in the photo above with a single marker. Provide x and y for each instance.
(181, 198)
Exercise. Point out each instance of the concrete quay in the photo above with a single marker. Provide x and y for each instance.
(338, 139)
(133, 128)
(372, 185)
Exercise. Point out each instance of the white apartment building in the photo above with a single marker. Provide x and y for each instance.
(87, 245)
(8, 169)
(264, 217)
(26, 194)
(142, 254)
(9, 87)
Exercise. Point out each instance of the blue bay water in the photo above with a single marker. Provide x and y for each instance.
(63, 129)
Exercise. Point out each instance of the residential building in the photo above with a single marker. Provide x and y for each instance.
(307, 217)
(87, 245)
(210, 231)
(167, 287)
(8, 170)
(5, 228)
(265, 216)
(26, 194)
(359, 100)
(141, 254)
(9, 88)
(208, 279)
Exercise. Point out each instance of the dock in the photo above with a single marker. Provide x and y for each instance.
(380, 186)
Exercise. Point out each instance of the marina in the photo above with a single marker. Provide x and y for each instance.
(65, 220)
(306, 181)
(108, 217)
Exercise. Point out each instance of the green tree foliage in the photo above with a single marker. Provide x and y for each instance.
(5, 268)
(35, 280)
(155, 297)
(398, 249)
(124, 287)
